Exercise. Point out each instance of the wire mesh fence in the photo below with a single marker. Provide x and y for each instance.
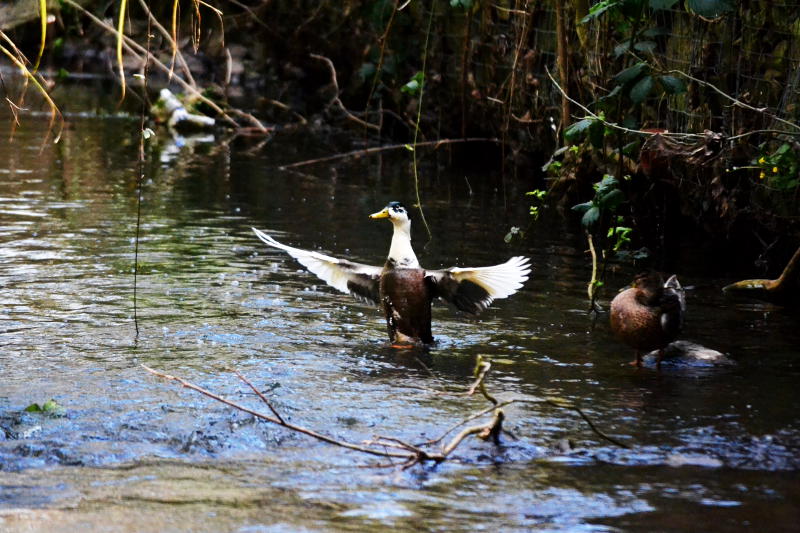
(742, 68)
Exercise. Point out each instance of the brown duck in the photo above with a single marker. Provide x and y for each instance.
(404, 289)
(649, 315)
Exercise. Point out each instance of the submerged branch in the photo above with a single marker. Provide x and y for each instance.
(275, 420)
(392, 447)
(386, 148)
(481, 369)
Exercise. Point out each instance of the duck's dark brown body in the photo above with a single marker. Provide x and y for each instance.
(406, 296)
(649, 315)
(638, 324)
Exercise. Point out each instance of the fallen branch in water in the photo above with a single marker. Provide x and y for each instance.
(392, 447)
(387, 148)
(275, 420)
(784, 290)
(481, 369)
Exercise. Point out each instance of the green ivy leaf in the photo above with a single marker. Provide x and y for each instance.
(642, 89)
(600, 8)
(662, 4)
(597, 132)
(612, 200)
(582, 208)
(50, 408)
(590, 217)
(466, 5)
(414, 84)
(658, 31)
(366, 70)
(672, 84)
(577, 129)
(631, 73)
(621, 48)
(606, 185)
(709, 8)
(645, 46)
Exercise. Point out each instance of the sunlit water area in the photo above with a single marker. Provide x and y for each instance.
(713, 445)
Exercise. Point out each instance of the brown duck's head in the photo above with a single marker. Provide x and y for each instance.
(648, 280)
(649, 286)
(395, 212)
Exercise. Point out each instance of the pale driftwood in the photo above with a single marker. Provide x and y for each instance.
(785, 290)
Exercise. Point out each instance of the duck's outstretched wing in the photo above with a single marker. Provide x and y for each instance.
(362, 281)
(473, 289)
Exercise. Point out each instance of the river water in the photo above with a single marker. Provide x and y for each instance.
(713, 445)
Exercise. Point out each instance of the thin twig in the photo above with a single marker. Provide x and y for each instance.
(492, 428)
(336, 100)
(386, 148)
(260, 395)
(287, 425)
(168, 37)
(139, 182)
(417, 122)
(481, 369)
(470, 418)
(566, 404)
(756, 132)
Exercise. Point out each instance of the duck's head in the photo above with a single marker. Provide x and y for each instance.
(649, 286)
(395, 212)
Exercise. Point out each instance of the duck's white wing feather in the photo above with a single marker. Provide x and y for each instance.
(362, 281)
(473, 289)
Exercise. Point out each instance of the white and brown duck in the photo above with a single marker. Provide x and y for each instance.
(404, 289)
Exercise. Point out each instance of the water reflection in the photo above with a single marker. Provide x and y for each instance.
(212, 297)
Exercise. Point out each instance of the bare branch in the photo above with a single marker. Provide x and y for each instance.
(481, 368)
(260, 395)
(386, 148)
(276, 421)
(337, 101)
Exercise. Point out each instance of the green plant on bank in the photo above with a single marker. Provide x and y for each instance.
(607, 199)
(466, 5)
(779, 169)
(640, 75)
(611, 131)
(414, 85)
(537, 197)
(600, 218)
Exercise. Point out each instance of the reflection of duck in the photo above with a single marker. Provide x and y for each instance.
(405, 289)
(649, 315)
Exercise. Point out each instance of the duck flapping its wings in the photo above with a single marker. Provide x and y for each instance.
(469, 289)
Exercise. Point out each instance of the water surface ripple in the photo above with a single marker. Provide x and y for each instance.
(713, 447)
